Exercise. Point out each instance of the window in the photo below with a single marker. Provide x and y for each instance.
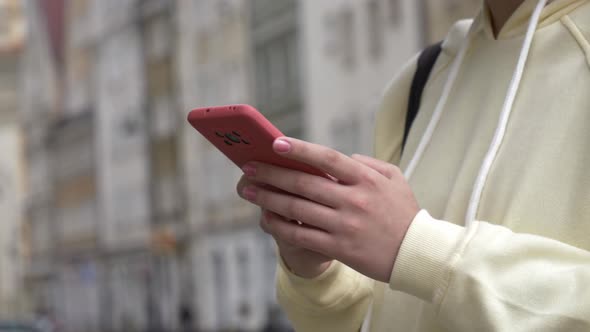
(79, 78)
(341, 41)
(79, 8)
(375, 29)
(221, 282)
(40, 228)
(265, 10)
(453, 6)
(243, 259)
(244, 269)
(220, 180)
(277, 74)
(165, 177)
(158, 40)
(395, 12)
(165, 184)
(163, 119)
(262, 75)
(159, 75)
(5, 24)
(226, 11)
(81, 21)
(277, 67)
(347, 31)
(277, 70)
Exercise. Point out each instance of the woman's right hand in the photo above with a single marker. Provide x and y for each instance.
(302, 262)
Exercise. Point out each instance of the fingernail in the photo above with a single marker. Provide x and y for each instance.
(250, 193)
(249, 170)
(282, 146)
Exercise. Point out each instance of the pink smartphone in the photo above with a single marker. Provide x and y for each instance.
(243, 134)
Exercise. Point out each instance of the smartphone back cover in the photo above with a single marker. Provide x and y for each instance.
(242, 134)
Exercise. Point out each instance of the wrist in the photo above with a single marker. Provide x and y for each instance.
(304, 267)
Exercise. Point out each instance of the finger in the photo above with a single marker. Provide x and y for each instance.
(292, 207)
(242, 183)
(246, 181)
(386, 169)
(323, 158)
(267, 215)
(299, 236)
(264, 215)
(312, 187)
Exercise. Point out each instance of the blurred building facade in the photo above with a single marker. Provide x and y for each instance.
(355, 47)
(74, 164)
(124, 184)
(133, 221)
(39, 100)
(233, 263)
(12, 30)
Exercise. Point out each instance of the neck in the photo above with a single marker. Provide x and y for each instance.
(500, 12)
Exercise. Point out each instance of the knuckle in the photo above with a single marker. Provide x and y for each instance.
(263, 198)
(345, 249)
(264, 172)
(299, 237)
(351, 226)
(300, 149)
(360, 202)
(300, 183)
(370, 177)
(394, 171)
(293, 208)
(266, 218)
(355, 251)
(332, 157)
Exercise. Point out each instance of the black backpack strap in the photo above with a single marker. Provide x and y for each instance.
(426, 61)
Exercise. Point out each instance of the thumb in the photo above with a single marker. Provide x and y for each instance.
(386, 169)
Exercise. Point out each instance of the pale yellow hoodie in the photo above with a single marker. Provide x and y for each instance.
(503, 242)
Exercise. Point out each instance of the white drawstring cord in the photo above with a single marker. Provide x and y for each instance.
(504, 116)
(440, 105)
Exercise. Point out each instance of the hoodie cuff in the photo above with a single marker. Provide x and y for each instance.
(330, 291)
(424, 259)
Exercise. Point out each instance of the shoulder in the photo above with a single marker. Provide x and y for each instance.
(578, 22)
(581, 15)
(391, 117)
(456, 35)
(450, 48)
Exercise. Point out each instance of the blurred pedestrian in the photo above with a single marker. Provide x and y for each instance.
(185, 317)
(45, 321)
(274, 323)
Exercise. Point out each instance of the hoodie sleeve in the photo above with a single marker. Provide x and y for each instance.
(338, 299)
(488, 278)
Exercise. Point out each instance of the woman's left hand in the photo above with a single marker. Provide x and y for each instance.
(360, 219)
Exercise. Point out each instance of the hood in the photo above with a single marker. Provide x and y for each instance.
(526, 19)
(517, 23)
